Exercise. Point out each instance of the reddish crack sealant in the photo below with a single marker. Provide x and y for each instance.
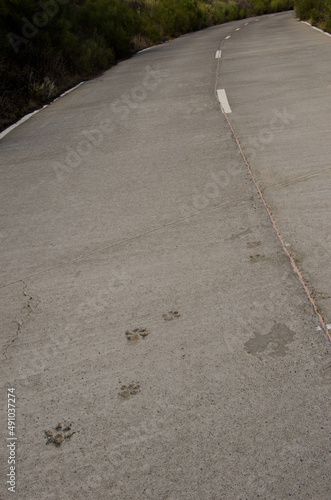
(293, 263)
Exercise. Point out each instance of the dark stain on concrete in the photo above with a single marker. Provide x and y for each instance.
(274, 343)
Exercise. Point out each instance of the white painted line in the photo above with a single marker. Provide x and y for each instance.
(227, 37)
(68, 91)
(221, 94)
(218, 54)
(317, 29)
(144, 50)
(22, 120)
(27, 117)
(321, 31)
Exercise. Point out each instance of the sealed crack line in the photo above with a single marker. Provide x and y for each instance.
(281, 239)
(273, 222)
(19, 324)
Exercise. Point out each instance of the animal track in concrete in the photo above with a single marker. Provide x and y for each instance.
(274, 342)
(134, 336)
(256, 258)
(253, 244)
(171, 315)
(129, 390)
(59, 434)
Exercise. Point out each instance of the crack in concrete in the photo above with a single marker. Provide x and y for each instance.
(298, 178)
(127, 240)
(25, 312)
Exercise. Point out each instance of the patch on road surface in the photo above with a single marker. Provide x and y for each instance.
(274, 343)
(59, 434)
(134, 336)
(171, 315)
(129, 390)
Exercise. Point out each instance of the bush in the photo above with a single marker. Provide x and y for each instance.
(280, 5)
(304, 7)
(176, 17)
(316, 11)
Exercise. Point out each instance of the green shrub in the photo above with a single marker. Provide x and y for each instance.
(176, 17)
(280, 5)
(261, 6)
(220, 10)
(316, 11)
(303, 8)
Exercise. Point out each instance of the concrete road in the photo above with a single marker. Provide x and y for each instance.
(152, 322)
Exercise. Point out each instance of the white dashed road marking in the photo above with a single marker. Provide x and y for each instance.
(221, 94)
(328, 327)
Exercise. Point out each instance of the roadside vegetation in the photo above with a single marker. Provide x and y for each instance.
(317, 12)
(47, 46)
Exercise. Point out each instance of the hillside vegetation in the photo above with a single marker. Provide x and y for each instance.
(47, 46)
(318, 12)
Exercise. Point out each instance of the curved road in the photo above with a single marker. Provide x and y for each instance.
(146, 298)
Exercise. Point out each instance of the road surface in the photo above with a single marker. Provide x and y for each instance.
(153, 323)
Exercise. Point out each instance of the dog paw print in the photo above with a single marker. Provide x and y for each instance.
(171, 315)
(129, 390)
(253, 244)
(134, 336)
(256, 258)
(59, 434)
